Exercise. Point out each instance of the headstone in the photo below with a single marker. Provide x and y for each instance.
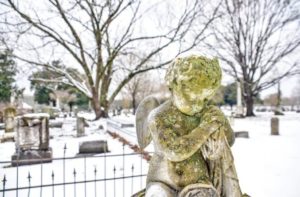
(274, 126)
(9, 119)
(80, 126)
(241, 134)
(32, 139)
(90, 147)
(239, 108)
(278, 112)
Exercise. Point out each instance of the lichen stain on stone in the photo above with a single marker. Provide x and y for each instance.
(10, 112)
(189, 134)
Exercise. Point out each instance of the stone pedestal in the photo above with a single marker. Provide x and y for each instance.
(9, 119)
(32, 139)
(29, 157)
(274, 126)
(80, 126)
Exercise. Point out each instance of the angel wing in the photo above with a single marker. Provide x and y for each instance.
(141, 120)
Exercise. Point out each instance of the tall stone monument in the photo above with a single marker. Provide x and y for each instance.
(191, 138)
(239, 112)
(32, 140)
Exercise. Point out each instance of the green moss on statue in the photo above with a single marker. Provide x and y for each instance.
(191, 138)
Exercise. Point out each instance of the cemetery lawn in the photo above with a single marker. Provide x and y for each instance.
(267, 166)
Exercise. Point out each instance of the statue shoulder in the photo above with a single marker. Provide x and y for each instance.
(214, 113)
(160, 113)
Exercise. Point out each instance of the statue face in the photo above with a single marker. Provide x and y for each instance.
(191, 101)
(193, 81)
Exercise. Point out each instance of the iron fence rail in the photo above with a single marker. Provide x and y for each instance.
(134, 175)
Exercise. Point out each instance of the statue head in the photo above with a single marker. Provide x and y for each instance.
(193, 80)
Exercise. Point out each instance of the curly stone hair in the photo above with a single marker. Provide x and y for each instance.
(194, 72)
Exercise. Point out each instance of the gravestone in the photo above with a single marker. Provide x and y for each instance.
(9, 119)
(274, 126)
(241, 134)
(91, 147)
(32, 140)
(80, 123)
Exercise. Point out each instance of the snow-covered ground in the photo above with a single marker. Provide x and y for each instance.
(267, 165)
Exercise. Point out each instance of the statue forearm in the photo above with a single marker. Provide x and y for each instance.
(180, 148)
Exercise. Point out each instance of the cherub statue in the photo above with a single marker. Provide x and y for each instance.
(191, 138)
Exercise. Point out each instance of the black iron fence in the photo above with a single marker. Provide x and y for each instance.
(106, 174)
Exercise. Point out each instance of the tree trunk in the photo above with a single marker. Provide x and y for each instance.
(249, 104)
(133, 105)
(96, 104)
(96, 107)
(105, 106)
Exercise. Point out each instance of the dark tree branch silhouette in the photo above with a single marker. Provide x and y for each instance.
(254, 38)
(93, 35)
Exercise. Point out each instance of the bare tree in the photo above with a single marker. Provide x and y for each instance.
(137, 89)
(93, 35)
(254, 38)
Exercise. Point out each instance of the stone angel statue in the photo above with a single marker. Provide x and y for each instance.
(191, 138)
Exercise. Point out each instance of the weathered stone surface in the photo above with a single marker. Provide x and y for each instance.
(274, 126)
(198, 190)
(97, 146)
(32, 131)
(29, 157)
(80, 123)
(190, 136)
(241, 134)
(32, 140)
(9, 119)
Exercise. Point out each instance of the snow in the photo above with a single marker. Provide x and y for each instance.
(269, 165)
(266, 165)
(36, 115)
